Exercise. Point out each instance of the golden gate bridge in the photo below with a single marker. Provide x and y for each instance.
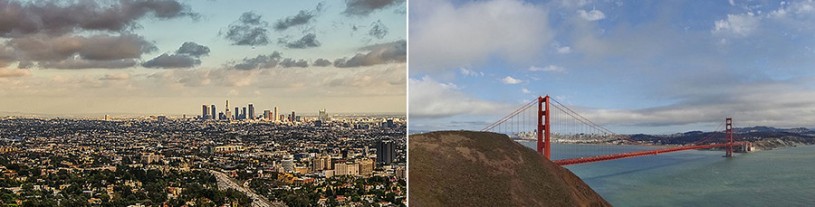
(545, 118)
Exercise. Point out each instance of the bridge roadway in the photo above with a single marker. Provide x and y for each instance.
(573, 161)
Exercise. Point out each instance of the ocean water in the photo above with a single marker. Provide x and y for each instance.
(779, 177)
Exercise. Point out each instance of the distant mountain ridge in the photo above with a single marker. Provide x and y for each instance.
(767, 137)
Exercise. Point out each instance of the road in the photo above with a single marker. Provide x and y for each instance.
(224, 182)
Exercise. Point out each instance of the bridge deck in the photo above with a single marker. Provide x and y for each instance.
(573, 161)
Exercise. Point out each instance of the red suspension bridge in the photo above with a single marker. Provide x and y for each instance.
(544, 119)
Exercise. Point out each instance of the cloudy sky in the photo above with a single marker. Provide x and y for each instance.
(172, 56)
(632, 66)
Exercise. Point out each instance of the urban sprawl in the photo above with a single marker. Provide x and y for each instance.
(216, 159)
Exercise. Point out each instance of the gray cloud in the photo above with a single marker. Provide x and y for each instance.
(378, 54)
(77, 63)
(186, 56)
(322, 62)
(172, 61)
(378, 30)
(308, 40)
(288, 63)
(365, 7)
(261, 61)
(193, 49)
(97, 47)
(250, 29)
(74, 52)
(300, 19)
(56, 18)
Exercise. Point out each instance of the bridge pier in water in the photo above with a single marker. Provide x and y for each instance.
(729, 136)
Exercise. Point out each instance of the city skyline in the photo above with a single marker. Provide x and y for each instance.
(303, 54)
(630, 66)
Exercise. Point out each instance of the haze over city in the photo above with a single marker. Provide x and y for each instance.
(170, 57)
(631, 66)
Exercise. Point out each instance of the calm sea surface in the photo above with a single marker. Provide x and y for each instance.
(780, 177)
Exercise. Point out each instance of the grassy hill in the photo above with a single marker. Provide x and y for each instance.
(462, 168)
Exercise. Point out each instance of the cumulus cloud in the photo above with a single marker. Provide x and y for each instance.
(386, 53)
(261, 61)
(193, 49)
(564, 50)
(186, 56)
(288, 63)
(57, 18)
(77, 52)
(592, 15)
(739, 25)
(468, 72)
(509, 80)
(378, 30)
(96, 47)
(301, 18)
(377, 54)
(366, 7)
(307, 41)
(320, 62)
(432, 99)
(250, 29)
(742, 107)
(172, 61)
(436, 38)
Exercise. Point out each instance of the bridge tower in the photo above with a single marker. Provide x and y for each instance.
(729, 136)
(544, 127)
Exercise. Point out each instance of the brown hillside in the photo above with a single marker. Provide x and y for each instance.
(463, 168)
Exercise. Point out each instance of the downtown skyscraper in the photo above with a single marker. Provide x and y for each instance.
(251, 111)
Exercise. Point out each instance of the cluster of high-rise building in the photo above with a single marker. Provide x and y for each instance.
(385, 152)
(209, 112)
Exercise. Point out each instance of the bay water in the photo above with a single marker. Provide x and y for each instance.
(779, 177)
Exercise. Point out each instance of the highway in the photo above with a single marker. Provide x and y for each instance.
(224, 182)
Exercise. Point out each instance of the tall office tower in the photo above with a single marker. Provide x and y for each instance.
(251, 111)
(267, 115)
(322, 116)
(237, 114)
(206, 112)
(291, 119)
(227, 115)
(213, 113)
(384, 152)
(276, 115)
(243, 113)
(221, 116)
